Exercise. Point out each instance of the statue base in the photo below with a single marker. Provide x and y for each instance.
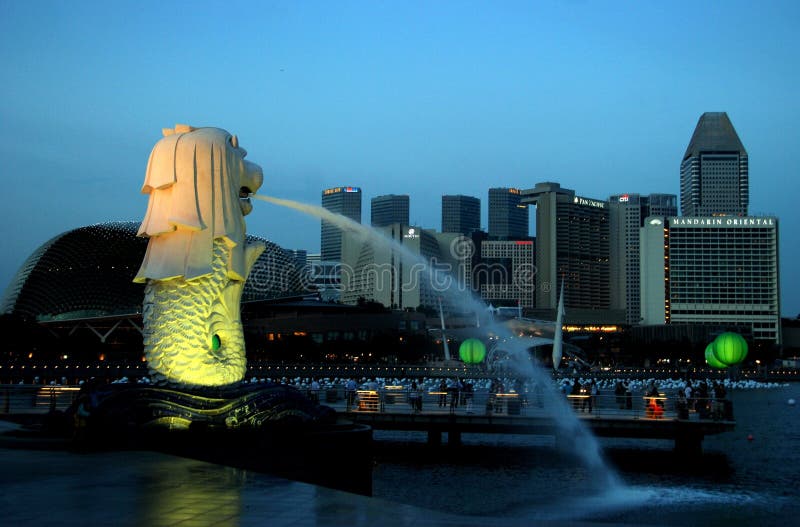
(267, 428)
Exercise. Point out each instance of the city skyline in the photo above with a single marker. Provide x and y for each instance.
(417, 99)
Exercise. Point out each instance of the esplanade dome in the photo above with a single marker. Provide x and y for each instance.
(88, 272)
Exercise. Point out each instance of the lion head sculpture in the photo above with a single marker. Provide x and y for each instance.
(199, 183)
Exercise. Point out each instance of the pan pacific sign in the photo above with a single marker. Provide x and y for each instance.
(722, 222)
(589, 202)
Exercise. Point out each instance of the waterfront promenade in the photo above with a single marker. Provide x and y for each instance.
(456, 413)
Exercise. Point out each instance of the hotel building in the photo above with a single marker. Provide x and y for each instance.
(720, 271)
(572, 243)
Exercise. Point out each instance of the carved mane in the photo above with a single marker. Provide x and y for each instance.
(193, 178)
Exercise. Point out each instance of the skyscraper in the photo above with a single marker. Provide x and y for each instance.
(714, 173)
(508, 217)
(388, 209)
(461, 214)
(572, 243)
(626, 216)
(341, 200)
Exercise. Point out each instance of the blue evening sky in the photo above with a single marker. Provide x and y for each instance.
(424, 98)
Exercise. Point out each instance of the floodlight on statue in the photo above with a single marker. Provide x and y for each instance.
(197, 259)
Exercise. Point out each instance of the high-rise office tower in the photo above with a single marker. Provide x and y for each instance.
(461, 214)
(626, 216)
(714, 174)
(508, 217)
(572, 243)
(388, 209)
(341, 200)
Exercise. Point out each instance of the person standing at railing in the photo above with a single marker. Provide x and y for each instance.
(619, 392)
(702, 400)
(415, 397)
(314, 393)
(491, 398)
(681, 407)
(575, 392)
(628, 395)
(585, 398)
(442, 393)
(592, 395)
(688, 392)
(350, 392)
(718, 389)
(468, 394)
(455, 394)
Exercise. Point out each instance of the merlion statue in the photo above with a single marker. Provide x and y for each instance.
(197, 261)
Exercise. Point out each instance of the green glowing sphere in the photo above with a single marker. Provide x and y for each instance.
(472, 351)
(730, 348)
(712, 360)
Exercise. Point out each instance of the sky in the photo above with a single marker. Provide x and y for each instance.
(410, 97)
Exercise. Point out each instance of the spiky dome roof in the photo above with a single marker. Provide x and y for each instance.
(88, 272)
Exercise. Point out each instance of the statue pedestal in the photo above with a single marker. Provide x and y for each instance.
(267, 428)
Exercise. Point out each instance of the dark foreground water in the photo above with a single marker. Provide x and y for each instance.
(737, 482)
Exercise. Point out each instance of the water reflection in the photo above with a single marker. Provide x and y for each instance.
(178, 490)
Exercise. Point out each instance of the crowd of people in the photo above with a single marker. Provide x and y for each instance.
(706, 400)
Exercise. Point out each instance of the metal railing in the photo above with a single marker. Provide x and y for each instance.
(604, 405)
(35, 399)
(39, 399)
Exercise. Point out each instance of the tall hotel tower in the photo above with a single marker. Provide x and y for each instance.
(714, 174)
(572, 243)
(388, 209)
(508, 217)
(341, 200)
(461, 214)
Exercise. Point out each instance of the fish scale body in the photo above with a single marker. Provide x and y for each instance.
(180, 319)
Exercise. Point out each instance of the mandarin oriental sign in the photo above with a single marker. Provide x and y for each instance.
(723, 222)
